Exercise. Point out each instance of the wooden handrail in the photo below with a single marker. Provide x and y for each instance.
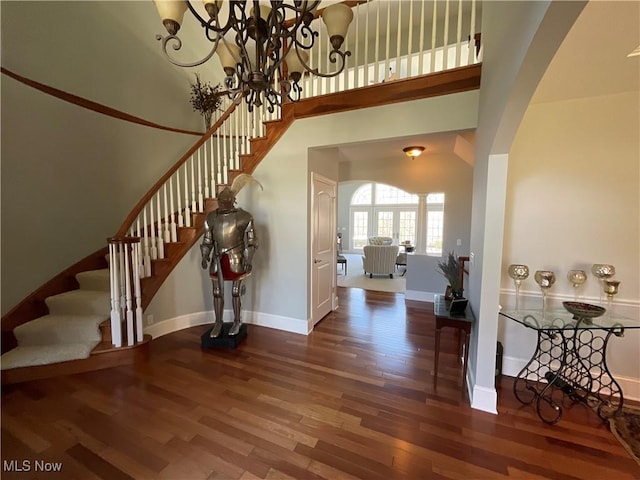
(152, 191)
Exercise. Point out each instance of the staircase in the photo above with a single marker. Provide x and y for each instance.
(90, 317)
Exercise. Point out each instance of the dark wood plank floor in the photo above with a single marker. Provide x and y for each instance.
(354, 399)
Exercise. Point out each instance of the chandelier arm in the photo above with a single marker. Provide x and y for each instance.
(208, 25)
(177, 45)
(332, 58)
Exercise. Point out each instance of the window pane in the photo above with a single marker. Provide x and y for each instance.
(434, 232)
(388, 195)
(385, 224)
(407, 228)
(435, 223)
(362, 196)
(360, 220)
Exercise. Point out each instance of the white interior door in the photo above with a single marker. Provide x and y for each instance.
(323, 246)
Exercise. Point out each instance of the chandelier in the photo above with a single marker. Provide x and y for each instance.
(264, 52)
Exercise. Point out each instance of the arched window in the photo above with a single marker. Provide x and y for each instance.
(377, 209)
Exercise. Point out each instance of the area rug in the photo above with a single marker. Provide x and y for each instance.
(356, 278)
(626, 428)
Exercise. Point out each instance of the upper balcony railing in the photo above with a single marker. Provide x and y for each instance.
(388, 40)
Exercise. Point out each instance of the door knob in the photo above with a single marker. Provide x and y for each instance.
(315, 260)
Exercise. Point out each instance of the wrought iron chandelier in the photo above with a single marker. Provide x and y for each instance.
(263, 52)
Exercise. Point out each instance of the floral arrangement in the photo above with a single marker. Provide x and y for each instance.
(205, 99)
(451, 271)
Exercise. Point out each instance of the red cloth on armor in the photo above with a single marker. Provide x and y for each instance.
(227, 274)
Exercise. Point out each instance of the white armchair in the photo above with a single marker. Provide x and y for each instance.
(379, 259)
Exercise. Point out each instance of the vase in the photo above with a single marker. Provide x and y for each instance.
(207, 120)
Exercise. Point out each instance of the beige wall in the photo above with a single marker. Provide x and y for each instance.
(573, 199)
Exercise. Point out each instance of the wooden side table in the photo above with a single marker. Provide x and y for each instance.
(462, 321)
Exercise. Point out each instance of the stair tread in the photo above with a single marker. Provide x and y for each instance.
(80, 302)
(95, 280)
(29, 356)
(53, 329)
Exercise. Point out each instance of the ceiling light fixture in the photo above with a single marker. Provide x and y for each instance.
(264, 54)
(635, 52)
(413, 152)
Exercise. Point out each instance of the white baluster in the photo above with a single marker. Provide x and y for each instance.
(472, 34)
(179, 200)
(366, 46)
(116, 333)
(200, 195)
(434, 27)
(236, 115)
(187, 211)
(173, 226)
(146, 260)
(154, 242)
(459, 34)
(445, 39)
(219, 163)
(387, 64)
(213, 167)
(138, 296)
(421, 45)
(167, 229)
(128, 293)
(194, 203)
(376, 74)
(398, 41)
(410, 41)
(140, 267)
(205, 168)
(159, 237)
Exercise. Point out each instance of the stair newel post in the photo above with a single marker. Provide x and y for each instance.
(167, 231)
(200, 195)
(116, 333)
(187, 210)
(159, 229)
(138, 294)
(172, 225)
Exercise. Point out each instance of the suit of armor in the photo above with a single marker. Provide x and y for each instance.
(227, 249)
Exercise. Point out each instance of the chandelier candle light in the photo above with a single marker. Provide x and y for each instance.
(264, 52)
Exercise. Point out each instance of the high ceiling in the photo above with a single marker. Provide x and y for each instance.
(592, 61)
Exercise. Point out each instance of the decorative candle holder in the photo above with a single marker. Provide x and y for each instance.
(545, 279)
(602, 271)
(518, 273)
(577, 278)
(610, 288)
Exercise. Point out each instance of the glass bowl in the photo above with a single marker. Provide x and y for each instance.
(583, 310)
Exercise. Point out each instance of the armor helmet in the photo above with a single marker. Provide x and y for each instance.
(227, 196)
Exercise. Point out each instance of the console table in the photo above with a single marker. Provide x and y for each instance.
(461, 321)
(569, 363)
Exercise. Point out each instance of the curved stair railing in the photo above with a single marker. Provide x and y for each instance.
(401, 40)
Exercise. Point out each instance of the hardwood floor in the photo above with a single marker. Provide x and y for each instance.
(354, 399)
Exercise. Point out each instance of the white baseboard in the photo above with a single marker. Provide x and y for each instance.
(418, 295)
(512, 366)
(277, 322)
(485, 399)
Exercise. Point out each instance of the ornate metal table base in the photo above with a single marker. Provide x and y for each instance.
(568, 366)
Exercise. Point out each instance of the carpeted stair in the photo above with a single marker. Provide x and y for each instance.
(70, 331)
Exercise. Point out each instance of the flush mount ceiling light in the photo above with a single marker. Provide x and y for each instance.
(263, 49)
(413, 152)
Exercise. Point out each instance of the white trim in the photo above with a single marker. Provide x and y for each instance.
(419, 295)
(287, 324)
(485, 399)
